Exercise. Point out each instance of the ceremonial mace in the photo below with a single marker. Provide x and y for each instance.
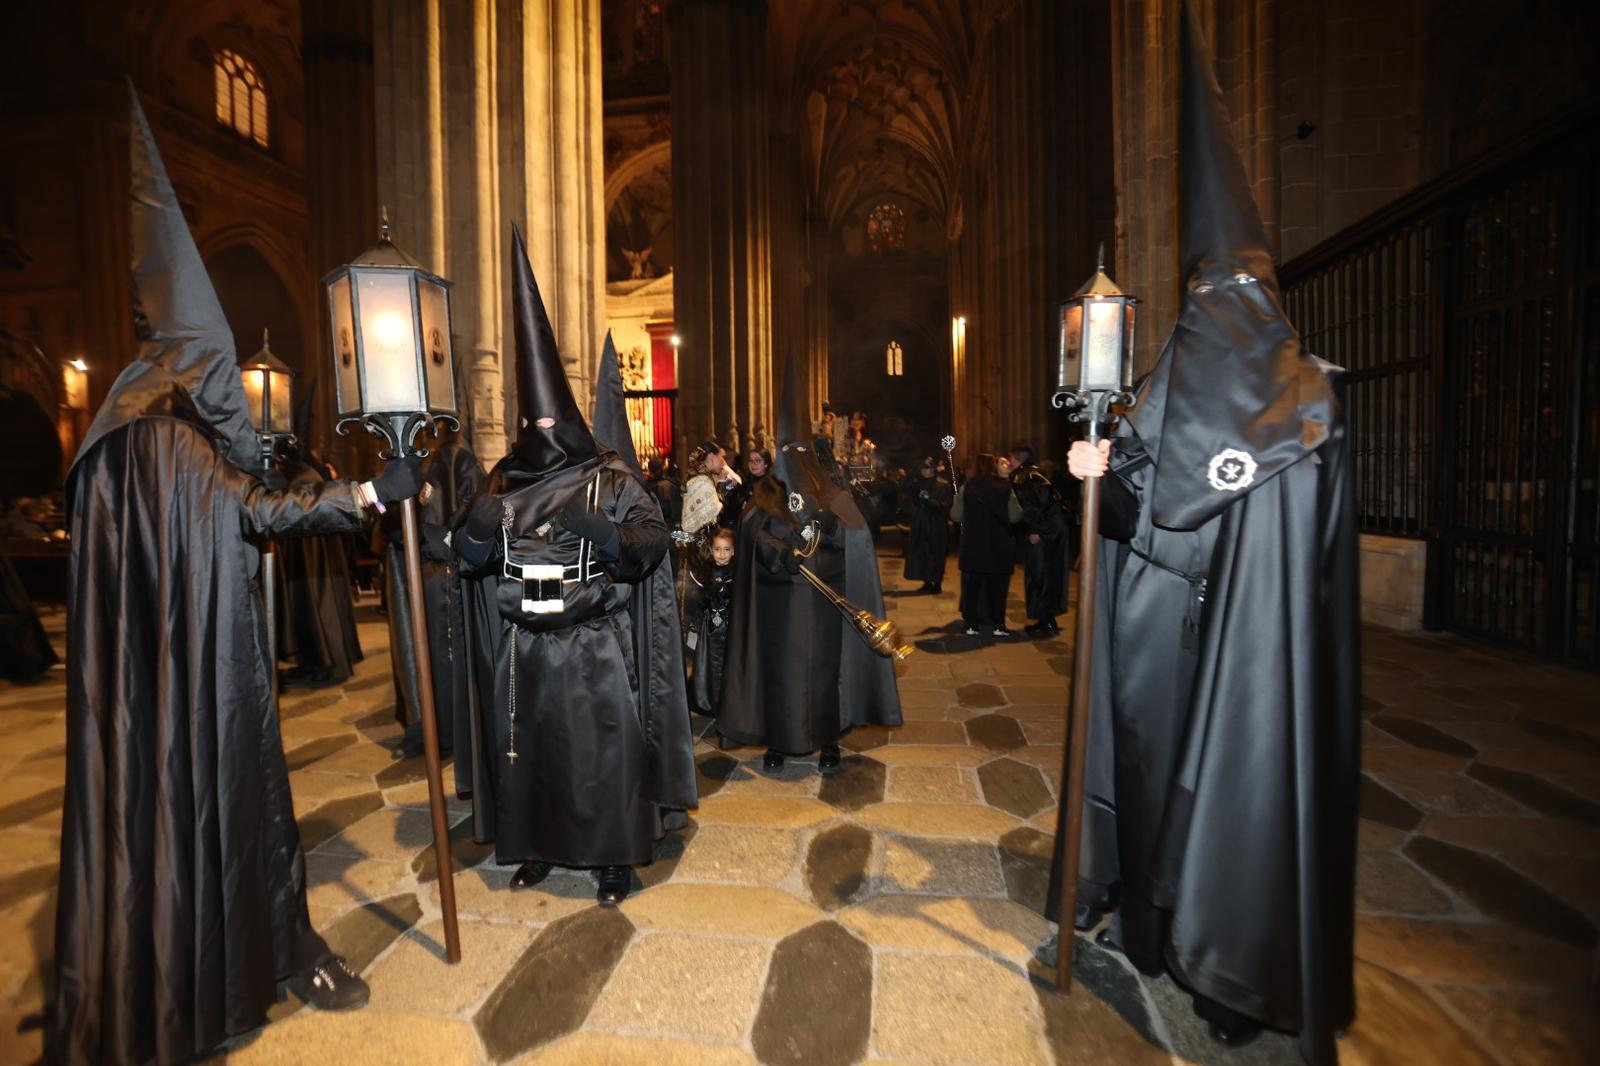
(268, 390)
(394, 376)
(948, 443)
(1094, 371)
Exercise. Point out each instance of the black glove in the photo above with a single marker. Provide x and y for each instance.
(434, 549)
(401, 479)
(590, 525)
(791, 562)
(483, 517)
(827, 520)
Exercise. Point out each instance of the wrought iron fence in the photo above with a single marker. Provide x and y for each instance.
(1466, 318)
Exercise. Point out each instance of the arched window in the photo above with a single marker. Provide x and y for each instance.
(886, 228)
(241, 98)
(895, 359)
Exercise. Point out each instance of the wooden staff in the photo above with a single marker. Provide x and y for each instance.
(1078, 726)
(430, 732)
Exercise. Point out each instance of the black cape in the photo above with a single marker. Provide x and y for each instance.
(601, 728)
(928, 532)
(708, 618)
(182, 892)
(456, 476)
(798, 676)
(317, 619)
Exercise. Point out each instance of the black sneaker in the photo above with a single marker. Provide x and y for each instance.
(330, 984)
(828, 759)
(614, 884)
(974, 631)
(772, 761)
(1036, 629)
(1001, 631)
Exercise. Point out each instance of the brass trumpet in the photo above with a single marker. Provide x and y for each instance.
(881, 635)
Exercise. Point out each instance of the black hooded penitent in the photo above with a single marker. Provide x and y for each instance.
(797, 677)
(182, 896)
(579, 737)
(1224, 720)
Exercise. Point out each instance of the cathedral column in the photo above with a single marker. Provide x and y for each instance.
(490, 114)
(722, 281)
(341, 184)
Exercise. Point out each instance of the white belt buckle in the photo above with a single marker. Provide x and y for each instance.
(541, 588)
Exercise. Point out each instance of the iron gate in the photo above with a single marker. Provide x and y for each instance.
(1466, 317)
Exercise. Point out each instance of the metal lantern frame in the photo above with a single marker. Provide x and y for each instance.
(388, 408)
(1089, 339)
(265, 369)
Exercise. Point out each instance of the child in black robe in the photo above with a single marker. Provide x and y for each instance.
(708, 610)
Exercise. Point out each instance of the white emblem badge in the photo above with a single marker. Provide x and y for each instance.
(1231, 470)
(797, 502)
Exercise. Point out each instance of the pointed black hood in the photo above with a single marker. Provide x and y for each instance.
(187, 365)
(611, 426)
(796, 464)
(551, 434)
(1233, 399)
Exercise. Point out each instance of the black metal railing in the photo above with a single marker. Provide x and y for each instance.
(1466, 317)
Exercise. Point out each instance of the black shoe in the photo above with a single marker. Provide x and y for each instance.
(614, 884)
(1111, 936)
(1234, 1034)
(772, 761)
(1036, 629)
(1085, 917)
(330, 984)
(530, 874)
(828, 759)
(1001, 631)
(1051, 626)
(974, 631)
(937, 588)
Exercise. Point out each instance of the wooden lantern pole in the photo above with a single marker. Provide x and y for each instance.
(430, 731)
(1078, 726)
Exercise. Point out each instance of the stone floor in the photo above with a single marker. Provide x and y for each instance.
(890, 913)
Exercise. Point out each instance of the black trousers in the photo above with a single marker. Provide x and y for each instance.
(983, 599)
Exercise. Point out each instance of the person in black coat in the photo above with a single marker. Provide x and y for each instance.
(929, 499)
(987, 509)
(1045, 551)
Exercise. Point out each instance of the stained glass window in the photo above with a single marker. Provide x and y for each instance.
(241, 98)
(886, 228)
(895, 359)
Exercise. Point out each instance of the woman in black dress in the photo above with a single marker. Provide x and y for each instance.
(986, 510)
(928, 531)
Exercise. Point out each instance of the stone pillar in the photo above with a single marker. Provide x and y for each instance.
(490, 114)
(721, 217)
(341, 185)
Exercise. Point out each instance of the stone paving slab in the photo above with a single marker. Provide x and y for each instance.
(899, 898)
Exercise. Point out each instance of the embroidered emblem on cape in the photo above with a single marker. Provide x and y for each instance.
(797, 503)
(1231, 470)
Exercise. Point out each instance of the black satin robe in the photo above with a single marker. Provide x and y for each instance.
(798, 677)
(600, 732)
(1224, 741)
(708, 615)
(182, 879)
(453, 471)
(317, 614)
(1044, 562)
(928, 532)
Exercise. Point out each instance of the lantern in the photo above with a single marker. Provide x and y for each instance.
(393, 372)
(1096, 354)
(269, 390)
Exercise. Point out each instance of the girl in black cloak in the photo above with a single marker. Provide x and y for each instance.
(928, 532)
(986, 509)
(708, 610)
